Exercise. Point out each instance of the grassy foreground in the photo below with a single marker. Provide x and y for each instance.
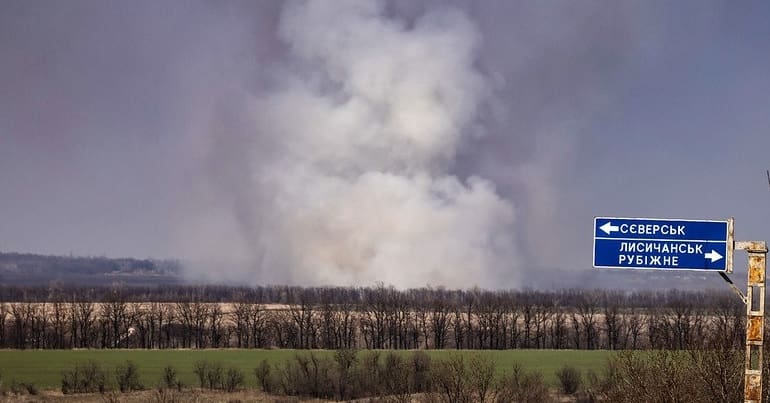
(44, 367)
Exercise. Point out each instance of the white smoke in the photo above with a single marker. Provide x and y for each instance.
(362, 130)
(372, 94)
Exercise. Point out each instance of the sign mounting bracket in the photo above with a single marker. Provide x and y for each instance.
(733, 287)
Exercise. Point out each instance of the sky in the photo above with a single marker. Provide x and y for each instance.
(351, 142)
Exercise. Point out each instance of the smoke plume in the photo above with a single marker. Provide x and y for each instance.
(346, 177)
(412, 142)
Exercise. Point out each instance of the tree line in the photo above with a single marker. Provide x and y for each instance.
(54, 266)
(377, 317)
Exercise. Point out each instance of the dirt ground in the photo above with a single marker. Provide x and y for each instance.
(151, 396)
(191, 396)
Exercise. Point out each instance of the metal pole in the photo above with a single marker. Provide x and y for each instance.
(755, 318)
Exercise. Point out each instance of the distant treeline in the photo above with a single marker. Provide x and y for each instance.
(26, 269)
(20, 269)
(282, 294)
(373, 317)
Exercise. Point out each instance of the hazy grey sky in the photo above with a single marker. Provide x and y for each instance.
(207, 130)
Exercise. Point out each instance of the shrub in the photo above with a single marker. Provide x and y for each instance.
(451, 380)
(200, 369)
(458, 382)
(569, 379)
(721, 372)
(111, 397)
(345, 361)
(210, 375)
(16, 388)
(215, 376)
(521, 387)
(592, 392)
(368, 374)
(127, 377)
(694, 376)
(317, 374)
(481, 376)
(264, 376)
(420, 372)
(165, 395)
(86, 377)
(233, 379)
(31, 388)
(169, 378)
(23, 388)
(395, 378)
(651, 376)
(304, 375)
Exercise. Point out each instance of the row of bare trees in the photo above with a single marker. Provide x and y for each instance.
(379, 318)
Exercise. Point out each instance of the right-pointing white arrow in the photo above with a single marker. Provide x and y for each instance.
(713, 255)
(608, 228)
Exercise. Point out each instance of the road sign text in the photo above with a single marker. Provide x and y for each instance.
(647, 243)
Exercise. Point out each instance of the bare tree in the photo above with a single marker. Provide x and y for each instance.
(83, 318)
(400, 320)
(729, 320)
(60, 323)
(527, 306)
(559, 328)
(577, 334)
(374, 316)
(493, 321)
(346, 325)
(216, 327)
(441, 309)
(135, 328)
(683, 323)
(612, 320)
(542, 314)
(301, 312)
(21, 314)
(184, 313)
(258, 329)
(38, 325)
(587, 307)
(199, 311)
(633, 324)
(3, 319)
(156, 319)
(114, 317)
(420, 328)
(470, 304)
(240, 317)
(166, 319)
(656, 328)
(457, 325)
(514, 318)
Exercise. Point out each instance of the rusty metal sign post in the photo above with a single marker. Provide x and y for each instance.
(755, 318)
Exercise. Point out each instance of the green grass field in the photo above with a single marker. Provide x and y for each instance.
(44, 367)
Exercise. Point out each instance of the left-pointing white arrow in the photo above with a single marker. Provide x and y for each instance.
(608, 228)
(713, 255)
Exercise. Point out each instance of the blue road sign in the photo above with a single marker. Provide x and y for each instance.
(652, 243)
